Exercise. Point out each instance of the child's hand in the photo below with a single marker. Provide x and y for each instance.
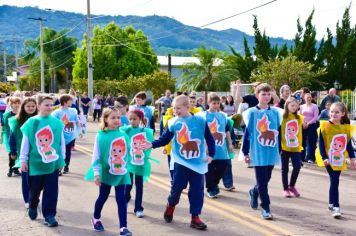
(164, 151)
(231, 148)
(326, 162)
(146, 146)
(97, 180)
(13, 157)
(247, 159)
(305, 125)
(24, 167)
(208, 159)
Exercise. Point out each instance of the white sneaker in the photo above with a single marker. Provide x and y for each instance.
(331, 207)
(336, 212)
(27, 205)
(140, 214)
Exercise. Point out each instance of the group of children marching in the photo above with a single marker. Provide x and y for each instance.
(40, 141)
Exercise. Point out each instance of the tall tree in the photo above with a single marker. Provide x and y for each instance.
(262, 46)
(117, 54)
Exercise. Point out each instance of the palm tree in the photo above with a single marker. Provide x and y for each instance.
(210, 74)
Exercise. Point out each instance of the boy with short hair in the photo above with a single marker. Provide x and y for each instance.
(122, 104)
(14, 103)
(41, 155)
(187, 133)
(261, 146)
(220, 129)
(72, 127)
(140, 104)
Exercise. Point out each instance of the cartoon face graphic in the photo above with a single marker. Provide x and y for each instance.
(219, 137)
(266, 137)
(136, 152)
(117, 155)
(291, 133)
(337, 149)
(189, 147)
(44, 141)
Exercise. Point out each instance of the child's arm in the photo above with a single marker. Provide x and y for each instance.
(351, 152)
(210, 141)
(246, 145)
(25, 149)
(63, 145)
(94, 161)
(152, 123)
(228, 137)
(163, 140)
(323, 153)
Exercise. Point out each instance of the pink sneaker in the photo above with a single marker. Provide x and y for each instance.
(294, 191)
(287, 194)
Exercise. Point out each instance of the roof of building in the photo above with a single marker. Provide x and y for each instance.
(179, 61)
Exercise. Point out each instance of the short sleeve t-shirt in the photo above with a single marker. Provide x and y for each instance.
(85, 100)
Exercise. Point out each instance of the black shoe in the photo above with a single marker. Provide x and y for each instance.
(9, 174)
(17, 172)
(50, 221)
(32, 213)
(196, 223)
(66, 170)
(168, 213)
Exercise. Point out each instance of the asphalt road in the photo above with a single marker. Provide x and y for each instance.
(230, 214)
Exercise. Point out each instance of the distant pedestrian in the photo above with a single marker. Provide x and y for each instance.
(85, 103)
(332, 97)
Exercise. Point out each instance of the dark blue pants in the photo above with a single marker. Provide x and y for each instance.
(216, 170)
(69, 152)
(49, 184)
(296, 162)
(139, 192)
(310, 138)
(183, 176)
(334, 186)
(263, 176)
(104, 192)
(25, 193)
(228, 178)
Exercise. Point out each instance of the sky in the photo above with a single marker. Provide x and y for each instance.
(278, 18)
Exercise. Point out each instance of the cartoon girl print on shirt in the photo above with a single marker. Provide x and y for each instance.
(44, 141)
(291, 133)
(116, 157)
(267, 137)
(219, 137)
(138, 156)
(189, 147)
(337, 149)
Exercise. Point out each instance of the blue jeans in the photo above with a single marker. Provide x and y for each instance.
(228, 178)
(183, 176)
(263, 176)
(310, 138)
(69, 152)
(49, 184)
(104, 192)
(296, 162)
(139, 191)
(334, 186)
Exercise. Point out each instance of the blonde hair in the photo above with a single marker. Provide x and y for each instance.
(286, 110)
(106, 113)
(182, 100)
(13, 100)
(213, 97)
(41, 97)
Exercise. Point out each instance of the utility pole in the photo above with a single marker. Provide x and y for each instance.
(41, 51)
(90, 58)
(5, 67)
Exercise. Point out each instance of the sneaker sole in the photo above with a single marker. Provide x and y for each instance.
(198, 228)
(337, 216)
(267, 218)
(50, 225)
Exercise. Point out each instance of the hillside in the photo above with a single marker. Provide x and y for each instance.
(166, 34)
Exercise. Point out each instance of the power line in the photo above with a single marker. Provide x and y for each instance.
(191, 29)
(62, 35)
(51, 68)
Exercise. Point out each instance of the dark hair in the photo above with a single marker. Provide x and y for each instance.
(345, 119)
(142, 95)
(65, 98)
(305, 90)
(232, 100)
(22, 116)
(122, 100)
(264, 87)
(286, 111)
(314, 94)
(140, 115)
(213, 97)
